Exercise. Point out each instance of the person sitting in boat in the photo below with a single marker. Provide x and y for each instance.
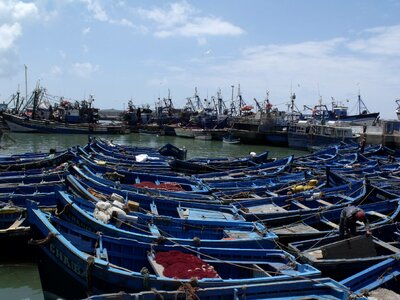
(348, 221)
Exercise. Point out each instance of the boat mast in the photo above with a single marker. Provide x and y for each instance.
(292, 105)
(233, 108)
(220, 102)
(35, 102)
(17, 105)
(26, 83)
(362, 108)
(240, 100)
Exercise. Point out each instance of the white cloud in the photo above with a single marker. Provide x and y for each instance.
(97, 11)
(311, 64)
(201, 41)
(22, 10)
(13, 15)
(86, 30)
(209, 26)
(62, 54)
(157, 82)
(381, 40)
(182, 20)
(11, 10)
(178, 13)
(84, 70)
(309, 49)
(56, 71)
(8, 35)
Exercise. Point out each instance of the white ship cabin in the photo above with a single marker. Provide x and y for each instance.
(331, 129)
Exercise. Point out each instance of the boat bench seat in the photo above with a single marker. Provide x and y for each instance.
(331, 224)
(301, 205)
(16, 224)
(324, 202)
(377, 214)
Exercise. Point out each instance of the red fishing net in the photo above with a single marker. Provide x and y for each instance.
(184, 266)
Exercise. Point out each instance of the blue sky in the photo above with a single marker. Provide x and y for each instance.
(122, 50)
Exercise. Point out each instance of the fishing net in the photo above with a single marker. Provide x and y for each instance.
(184, 266)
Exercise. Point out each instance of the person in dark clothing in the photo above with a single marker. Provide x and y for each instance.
(348, 221)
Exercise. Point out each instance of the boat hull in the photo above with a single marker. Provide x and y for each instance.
(307, 141)
(20, 124)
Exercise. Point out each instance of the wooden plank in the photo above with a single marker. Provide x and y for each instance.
(301, 205)
(327, 222)
(377, 214)
(387, 246)
(16, 224)
(317, 254)
(324, 202)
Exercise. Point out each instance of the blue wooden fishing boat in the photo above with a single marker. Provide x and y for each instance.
(321, 288)
(148, 181)
(342, 258)
(29, 156)
(229, 139)
(257, 185)
(291, 208)
(389, 182)
(384, 274)
(265, 169)
(49, 161)
(207, 165)
(14, 231)
(151, 204)
(382, 208)
(30, 188)
(33, 178)
(153, 154)
(153, 132)
(168, 150)
(158, 166)
(210, 234)
(100, 263)
(321, 155)
(168, 210)
(339, 161)
(44, 199)
(87, 173)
